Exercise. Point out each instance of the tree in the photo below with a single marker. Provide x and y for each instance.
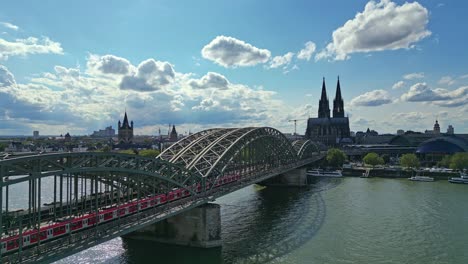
(386, 158)
(106, 148)
(445, 162)
(336, 157)
(373, 159)
(459, 161)
(409, 161)
(150, 153)
(127, 151)
(2, 146)
(99, 145)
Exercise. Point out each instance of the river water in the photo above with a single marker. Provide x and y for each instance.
(345, 220)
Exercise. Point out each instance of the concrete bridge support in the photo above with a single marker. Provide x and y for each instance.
(199, 227)
(296, 177)
(293, 178)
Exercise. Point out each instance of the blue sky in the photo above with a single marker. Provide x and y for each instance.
(75, 67)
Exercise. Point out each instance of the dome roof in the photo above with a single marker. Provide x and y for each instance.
(440, 145)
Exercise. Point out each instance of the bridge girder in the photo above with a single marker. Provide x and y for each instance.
(106, 167)
(208, 153)
(254, 153)
(305, 148)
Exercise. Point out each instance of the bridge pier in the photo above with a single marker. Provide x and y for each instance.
(199, 227)
(293, 178)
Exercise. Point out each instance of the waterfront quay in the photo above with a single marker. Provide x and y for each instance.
(396, 173)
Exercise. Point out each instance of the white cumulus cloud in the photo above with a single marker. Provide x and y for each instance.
(381, 26)
(31, 45)
(398, 85)
(307, 51)
(67, 100)
(372, 98)
(108, 64)
(409, 116)
(279, 61)
(457, 97)
(9, 26)
(232, 52)
(421, 92)
(447, 80)
(210, 80)
(413, 76)
(151, 75)
(6, 77)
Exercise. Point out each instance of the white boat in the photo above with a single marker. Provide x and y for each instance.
(421, 178)
(324, 173)
(462, 179)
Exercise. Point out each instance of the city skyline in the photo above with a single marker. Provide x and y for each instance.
(401, 65)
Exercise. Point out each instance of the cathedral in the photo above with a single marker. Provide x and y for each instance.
(328, 130)
(125, 130)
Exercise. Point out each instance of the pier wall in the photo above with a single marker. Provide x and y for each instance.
(199, 227)
(293, 178)
(389, 173)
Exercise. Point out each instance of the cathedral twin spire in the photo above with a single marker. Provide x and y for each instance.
(324, 107)
(338, 105)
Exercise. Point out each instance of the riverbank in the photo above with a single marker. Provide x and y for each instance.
(395, 173)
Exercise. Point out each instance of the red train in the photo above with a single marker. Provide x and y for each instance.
(31, 237)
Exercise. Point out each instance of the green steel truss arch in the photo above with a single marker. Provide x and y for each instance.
(305, 148)
(23, 169)
(211, 153)
(253, 153)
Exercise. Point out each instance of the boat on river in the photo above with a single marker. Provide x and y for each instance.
(421, 178)
(462, 179)
(324, 173)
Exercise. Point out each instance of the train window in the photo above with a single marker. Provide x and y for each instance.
(13, 243)
(59, 229)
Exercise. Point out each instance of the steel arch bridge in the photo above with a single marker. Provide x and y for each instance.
(73, 201)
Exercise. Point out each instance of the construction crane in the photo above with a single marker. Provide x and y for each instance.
(295, 124)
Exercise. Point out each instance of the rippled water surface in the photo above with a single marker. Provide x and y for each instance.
(349, 220)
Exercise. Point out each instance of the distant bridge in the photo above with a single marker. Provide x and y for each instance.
(73, 201)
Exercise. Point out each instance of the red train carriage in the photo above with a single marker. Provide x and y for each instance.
(32, 237)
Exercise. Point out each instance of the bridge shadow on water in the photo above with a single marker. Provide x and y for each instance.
(289, 219)
(259, 224)
(137, 252)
